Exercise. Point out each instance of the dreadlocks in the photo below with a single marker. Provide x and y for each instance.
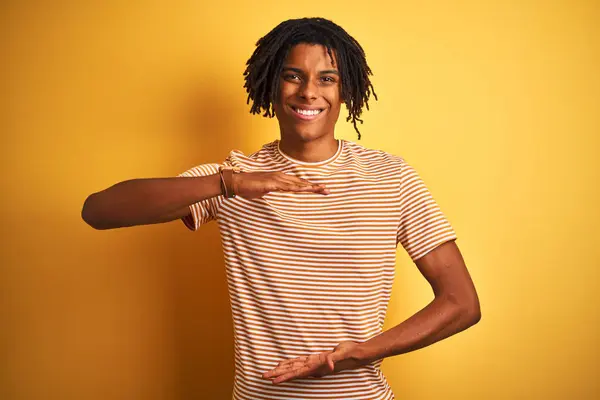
(265, 64)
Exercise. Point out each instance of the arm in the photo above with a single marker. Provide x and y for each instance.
(454, 308)
(147, 201)
(156, 200)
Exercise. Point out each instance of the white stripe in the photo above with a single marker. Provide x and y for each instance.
(306, 270)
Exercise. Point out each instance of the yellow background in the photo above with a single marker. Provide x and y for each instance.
(495, 103)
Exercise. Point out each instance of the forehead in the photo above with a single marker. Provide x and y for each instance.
(310, 56)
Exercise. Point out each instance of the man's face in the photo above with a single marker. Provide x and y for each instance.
(309, 93)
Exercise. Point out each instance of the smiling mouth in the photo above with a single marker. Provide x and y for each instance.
(307, 114)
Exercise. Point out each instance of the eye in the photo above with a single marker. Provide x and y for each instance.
(291, 76)
(328, 79)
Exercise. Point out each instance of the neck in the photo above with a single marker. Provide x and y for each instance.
(316, 150)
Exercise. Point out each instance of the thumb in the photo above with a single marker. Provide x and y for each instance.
(330, 362)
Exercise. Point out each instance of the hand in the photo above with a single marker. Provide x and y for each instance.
(252, 185)
(346, 355)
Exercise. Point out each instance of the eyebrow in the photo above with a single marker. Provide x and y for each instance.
(327, 71)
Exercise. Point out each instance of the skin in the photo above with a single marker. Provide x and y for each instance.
(455, 306)
(308, 80)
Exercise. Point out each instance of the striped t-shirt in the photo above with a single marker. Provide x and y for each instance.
(307, 271)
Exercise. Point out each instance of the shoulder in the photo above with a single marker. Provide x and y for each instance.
(257, 160)
(373, 158)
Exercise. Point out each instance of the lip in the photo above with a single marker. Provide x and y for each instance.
(307, 117)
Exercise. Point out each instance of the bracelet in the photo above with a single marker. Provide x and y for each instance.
(226, 174)
(223, 186)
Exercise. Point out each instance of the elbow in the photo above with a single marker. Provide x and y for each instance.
(471, 312)
(467, 309)
(86, 211)
(89, 213)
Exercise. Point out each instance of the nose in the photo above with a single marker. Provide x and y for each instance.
(309, 90)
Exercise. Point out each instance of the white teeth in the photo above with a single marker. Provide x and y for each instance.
(307, 112)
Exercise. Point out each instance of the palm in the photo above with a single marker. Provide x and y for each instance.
(315, 365)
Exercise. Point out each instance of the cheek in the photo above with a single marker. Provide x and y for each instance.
(334, 96)
(285, 90)
(336, 106)
(335, 100)
(335, 113)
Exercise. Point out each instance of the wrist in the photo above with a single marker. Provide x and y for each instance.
(229, 188)
(235, 182)
(365, 353)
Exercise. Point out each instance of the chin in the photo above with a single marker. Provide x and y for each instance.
(307, 134)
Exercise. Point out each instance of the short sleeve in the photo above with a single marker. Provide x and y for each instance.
(422, 226)
(206, 210)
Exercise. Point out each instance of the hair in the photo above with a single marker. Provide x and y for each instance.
(266, 63)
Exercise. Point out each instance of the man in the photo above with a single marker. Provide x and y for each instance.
(309, 227)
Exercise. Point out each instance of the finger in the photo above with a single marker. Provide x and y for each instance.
(293, 360)
(318, 187)
(279, 370)
(313, 188)
(298, 373)
(325, 191)
(330, 362)
(305, 188)
(295, 178)
(301, 181)
(305, 182)
(284, 369)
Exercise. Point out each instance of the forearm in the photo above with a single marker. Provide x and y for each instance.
(146, 201)
(438, 320)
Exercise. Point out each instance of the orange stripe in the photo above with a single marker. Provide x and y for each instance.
(306, 271)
